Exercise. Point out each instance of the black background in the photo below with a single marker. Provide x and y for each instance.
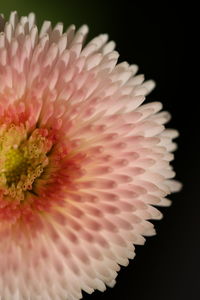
(160, 39)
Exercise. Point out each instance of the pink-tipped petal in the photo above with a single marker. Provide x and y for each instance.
(83, 161)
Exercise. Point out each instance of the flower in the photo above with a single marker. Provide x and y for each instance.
(82, 161)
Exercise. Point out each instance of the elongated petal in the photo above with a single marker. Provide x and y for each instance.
(83, 162)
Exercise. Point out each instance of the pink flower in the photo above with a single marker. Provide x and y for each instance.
(82, 161)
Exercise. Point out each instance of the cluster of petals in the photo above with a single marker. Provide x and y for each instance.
(83, 162)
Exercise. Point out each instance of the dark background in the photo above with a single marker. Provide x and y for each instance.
(159, 38)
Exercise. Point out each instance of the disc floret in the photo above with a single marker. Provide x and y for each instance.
(23, 157)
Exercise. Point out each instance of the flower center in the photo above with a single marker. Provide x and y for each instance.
(23, 157)
(15, 165)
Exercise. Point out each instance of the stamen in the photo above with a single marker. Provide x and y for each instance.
(22, 160)
(15, 165)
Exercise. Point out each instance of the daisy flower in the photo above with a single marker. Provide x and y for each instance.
(83, 161)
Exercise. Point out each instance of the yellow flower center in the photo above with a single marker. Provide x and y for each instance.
(23, 157)
(15, 165)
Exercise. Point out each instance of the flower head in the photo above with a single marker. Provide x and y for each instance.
(82, 161)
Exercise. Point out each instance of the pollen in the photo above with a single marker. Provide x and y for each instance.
(23, 157)
(15, 165)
